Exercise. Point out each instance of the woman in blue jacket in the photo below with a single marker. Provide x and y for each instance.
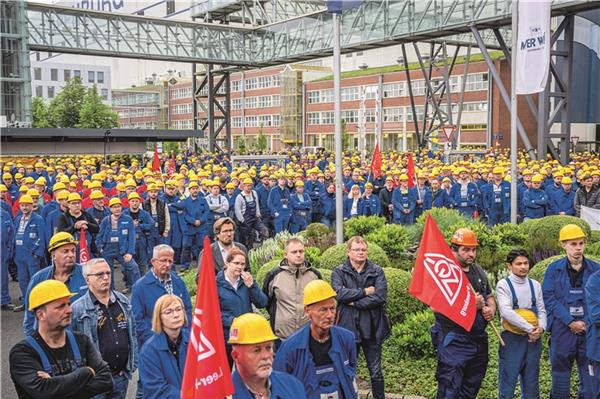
(351, 203)
(237, 292)
(162, 358)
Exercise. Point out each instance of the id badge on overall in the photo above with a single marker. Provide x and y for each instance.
(576, 311)
(19, 242)
(114, 239)
(333, 395)
(283, 206)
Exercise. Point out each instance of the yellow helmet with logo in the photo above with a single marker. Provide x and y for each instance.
(60, 239)
(249, 329)
(48, 291)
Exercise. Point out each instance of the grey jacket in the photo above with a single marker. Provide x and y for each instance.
(85, 320)
(590, 199)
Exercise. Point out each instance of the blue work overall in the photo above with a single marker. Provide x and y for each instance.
(112, 252)
(27, 262)
(44, 358)
(519, 358)
(328, 382)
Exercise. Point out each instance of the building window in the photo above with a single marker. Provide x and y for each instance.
(327, 118)
(236, 103)
(409, 115)
(478, 81)
(313, 97)
(314, 118)
(91, 76)
(50, 91)
(104, 94)
(392, 114)
(395, 89)
(251, 84)
(455, 84)
(236, 121)
(418, 87)
(276, 119)
(275, 80)
(264, 101)
(264, 82)
(473, 107)
(37, 73)
(370, 115)
(264, 120)
(100, 76)
(39, 91)
(276, 100)
(251, 121)
(236, 85)
(350, 116)
(371, 92)
(350, 93)
(250, 102)
(67, 75)
(54, 74)
(327, 96)
(77, 73)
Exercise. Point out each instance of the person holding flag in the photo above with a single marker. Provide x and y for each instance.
(252, 340)
(75, 220)
(458, 292)
(64, 268)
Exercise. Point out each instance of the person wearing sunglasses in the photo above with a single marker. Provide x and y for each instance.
(105, 315)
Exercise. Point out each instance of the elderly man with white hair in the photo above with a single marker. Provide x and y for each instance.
(106, 316)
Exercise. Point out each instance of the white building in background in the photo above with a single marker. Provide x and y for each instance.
(49, 78)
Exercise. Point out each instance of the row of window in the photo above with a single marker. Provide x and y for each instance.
(261, 82)
(52, 91)
(390, 115)
(139, 125)
(181, 109)
(256, 121)
(92, 76)
(184, 92)
(185, 124)
(257, 102)
(137, 112)
(475, 82)
(136, 99)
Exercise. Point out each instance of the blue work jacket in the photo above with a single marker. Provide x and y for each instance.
(592, 300)
(263, 200)
(535, 203)
(328, 201)
(145, 223)
(556, 290)
(496, 201)
(145, 293)
(161, 374)
(439, 199)
(7, 235)
(85, 320)
(76, 284)
(403, 201)
(280, 202)
(33, 241)
(294, 357)
(237, 302)
(126, 234)
(283, 386)
(301, 209)
(49, 208)
(472, 200)
(194, 209)
(562, 201)
(369, 206)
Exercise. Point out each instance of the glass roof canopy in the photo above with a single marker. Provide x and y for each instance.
(374, 24)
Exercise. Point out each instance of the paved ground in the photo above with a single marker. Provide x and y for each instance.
(12, 332)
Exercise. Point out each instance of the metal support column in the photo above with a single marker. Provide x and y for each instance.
(216, 85)
(502, 89)
(463, 86)
(412, 98)
(565, 81)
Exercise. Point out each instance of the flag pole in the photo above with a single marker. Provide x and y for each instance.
(491, 323)
(337, 111)
(513, 115)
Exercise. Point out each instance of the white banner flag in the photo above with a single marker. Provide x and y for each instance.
(592, 216)
(533, 45)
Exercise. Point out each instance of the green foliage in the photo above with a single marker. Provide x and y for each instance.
(64, 110)
(509, 234)
(538, 270)
(595, 236)
(261, 141)
(446, 219)
(392, 238)
(265, 269)
(41, 118)
(323, 242)
(325, 274)
(269, 250)
(241, 144)
(336, 255)
(95, 114)
(312, 255)
(189, 278)
(543, 235)
(316, 230)
(412, 337)
(171, 147)
(362, 226)
(593, 249)
(400, 303)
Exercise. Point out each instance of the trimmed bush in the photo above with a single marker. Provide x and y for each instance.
(595, 236)
(400, 303)
(538, 270)
(323, 243)
(270, 249)
(325, 274)
(316, 230)
(189, 278)
(510, 234)
(542, 239)
(265, 269)
(362, 226)
(392, 238)
(445, 220)
(312, 255)
(593, 249)
(336, 255)
(412, 338)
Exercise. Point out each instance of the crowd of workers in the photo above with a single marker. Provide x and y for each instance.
(150, 222)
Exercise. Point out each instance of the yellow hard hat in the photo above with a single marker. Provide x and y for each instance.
(152, 187)
(60, 239)
(133, 195)
(299, 183)
(528, 315)
(96, 195)
(230, 186)
(571, 232)
(566, 180)
(317, 291)
(114, 201)
(249, 329)
(74, 197)
(193, 185)
(498, 170)
(536, 179)
(33, 192)
(62, 195)
(95, 184)
(248, 181)
(25, 199)
(59, 186)
(48, 291)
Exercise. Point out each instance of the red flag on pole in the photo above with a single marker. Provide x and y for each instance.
(155, 160)
(207, 373)
(410, 170)
(84, 252)
(172, 168)
(376, 162)
(439, 281)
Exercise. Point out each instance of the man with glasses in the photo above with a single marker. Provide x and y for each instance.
(105, 316)
(161, 279)
(224, 230)
(361, 289)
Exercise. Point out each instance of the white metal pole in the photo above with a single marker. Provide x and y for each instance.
(337, 114)
(513, 115)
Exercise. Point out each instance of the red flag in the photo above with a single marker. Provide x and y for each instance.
(155, 160)
(439, 281)
(376, 162)
(410, 170)
(84, 252)
(172, 168)
(207, 373)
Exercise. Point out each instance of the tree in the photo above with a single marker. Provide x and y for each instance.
(261, 142)
(241, 144)
(95, 114)
(65, 108)
(40, 113)
(345, 137)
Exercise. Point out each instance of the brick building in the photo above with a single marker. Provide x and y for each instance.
(143, 107)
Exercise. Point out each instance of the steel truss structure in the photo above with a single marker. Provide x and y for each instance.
(213, 96)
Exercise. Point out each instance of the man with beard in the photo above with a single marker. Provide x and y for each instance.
(74, 220)
(254, 377)
(224, 230)
(55, 362)
(322, 356)
(64, 268)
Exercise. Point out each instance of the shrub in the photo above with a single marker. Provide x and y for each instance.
(325, 274)
(189, 278)
(323, 243)
(595, 236)
(510, 234)
(270, 249)
(316, 230)
(444, 218)
(265, 269)
(593, 249)
(337, 254)
(412, 337)
(400, 303)
(312, 255)
(392, 238)
(542, 239)
(362, 226)
(538, 270)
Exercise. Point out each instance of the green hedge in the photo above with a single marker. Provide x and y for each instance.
(266, 268)
(595, 236)
(312, 255)
(392, 238)
(538, 270)
(400, 303)
(325, 274)
(362, 226)
(337, 254)
(543, 235)
(446, 219)
(189, 278)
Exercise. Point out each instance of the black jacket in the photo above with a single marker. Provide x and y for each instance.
(66, 222)
(356, 311)
(78, 383)
(385, 197)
